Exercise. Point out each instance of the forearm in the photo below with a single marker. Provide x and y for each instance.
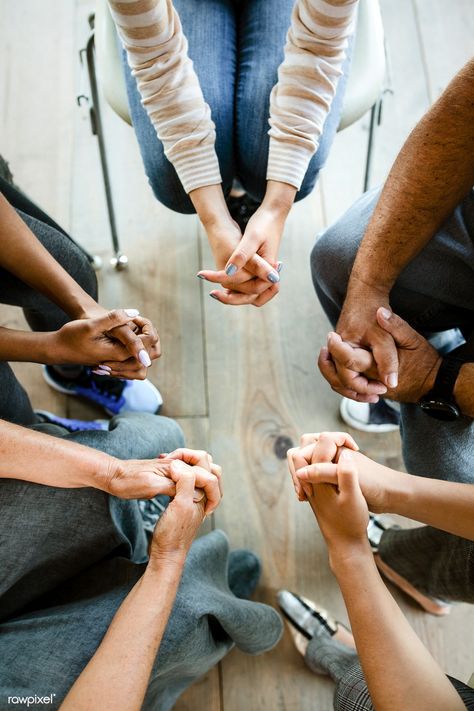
(464, 389)
(25, 346)
(117, 675)
(23, 255)
(210, 205)
(43, 459)
(399, 671)
(430, 177)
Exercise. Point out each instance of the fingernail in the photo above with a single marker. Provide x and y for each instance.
(279, 266)
(392, 380)
(273, 277)
(214, 296)
(105, 367)
(346, 455)
(231, 269)
(99, 372)
(386, 313)
(132, 312)
(200, 276)
(144, 358)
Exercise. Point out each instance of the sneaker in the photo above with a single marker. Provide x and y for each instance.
(376, 417)
(116, 396)
(71, 425)
(306, 620)
(433, 605)
(151, 510)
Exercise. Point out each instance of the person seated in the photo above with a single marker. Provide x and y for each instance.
(95, 614)
(86, 350)
(206, 81)
(409, 248)
(381, 664)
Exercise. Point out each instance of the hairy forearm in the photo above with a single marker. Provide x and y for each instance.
(399, 671)
(464, 389)
(24, 256)
(432, 174)
(117, 675)
(42, 459)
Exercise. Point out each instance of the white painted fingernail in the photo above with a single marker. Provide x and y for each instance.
(144, 358)
(132, 312)
(105, 367)
(99, 372)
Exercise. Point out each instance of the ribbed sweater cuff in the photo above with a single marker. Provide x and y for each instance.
(288, 162)
(197, 168)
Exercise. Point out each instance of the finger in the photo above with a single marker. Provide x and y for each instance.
(309, 438)
(263, 269)
(267, 295)
(127, 336)
(359, 383)
(147, 329)
(299, 458)
(220, 277)
(386, 357)
(194, 457)
(233, 298)
(329, 372)
(217, 471)
(329, 441)
(347, 475)
(203, 480)
(246, 252)
(292, 469)
(357, 359)
(322, 473)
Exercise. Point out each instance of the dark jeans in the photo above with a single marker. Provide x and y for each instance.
(237, 47)
(435, 292)
(40, 313)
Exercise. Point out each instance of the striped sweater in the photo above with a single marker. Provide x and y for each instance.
(158, 55)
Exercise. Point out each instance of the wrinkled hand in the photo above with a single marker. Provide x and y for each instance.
(176, 529)
(341, 509)
(119, 343)
(144, 479)
(315, 447)
(247, 265)
(418, 360)
(358, 326)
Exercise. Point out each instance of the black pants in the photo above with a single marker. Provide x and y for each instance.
(40, 313)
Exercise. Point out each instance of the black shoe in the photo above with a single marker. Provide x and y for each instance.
(242, 208)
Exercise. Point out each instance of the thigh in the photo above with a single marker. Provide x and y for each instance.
(15, 405)
(434, 292)
(210, 28)
(262, 29)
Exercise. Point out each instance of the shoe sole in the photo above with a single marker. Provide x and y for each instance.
(429, 604)
(361, 426)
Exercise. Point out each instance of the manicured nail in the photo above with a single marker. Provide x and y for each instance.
(200, 276)
(279, 266)
(99, 372)
(144, 358)
(392, 380)
(104, 367)
(214, 296)
(386, 313)
(231, 269)
(273, 277)
(132, 312)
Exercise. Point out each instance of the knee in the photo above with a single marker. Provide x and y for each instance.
(167, 187)
(329, 268)
(135, 435)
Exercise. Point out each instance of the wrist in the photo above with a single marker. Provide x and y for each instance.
(279, 199)
(211, 207)
(366, 281)
(347, 556)
(167, 562)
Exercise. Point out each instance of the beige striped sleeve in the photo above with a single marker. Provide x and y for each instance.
(307, 80)
(158, 55)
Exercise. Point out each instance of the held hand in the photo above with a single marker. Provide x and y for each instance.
(315, 447)
(179, 524)
(249, 285)
(341, 510)
(135, 368)
(359, 327)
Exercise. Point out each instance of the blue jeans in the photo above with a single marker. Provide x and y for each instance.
(237, 47)
(433, 293)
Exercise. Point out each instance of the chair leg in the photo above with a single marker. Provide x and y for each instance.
(119, 260)
(374, 113)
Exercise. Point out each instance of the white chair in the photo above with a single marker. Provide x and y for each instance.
(364, 92)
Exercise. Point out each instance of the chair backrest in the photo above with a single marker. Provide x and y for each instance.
(367, 74)
(364, 86)
(109, 62)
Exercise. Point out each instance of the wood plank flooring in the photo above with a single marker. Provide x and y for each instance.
(242, 382)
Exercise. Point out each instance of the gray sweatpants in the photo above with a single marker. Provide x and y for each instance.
(435, 292)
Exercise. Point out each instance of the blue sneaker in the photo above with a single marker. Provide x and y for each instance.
(116, 396)
(71, 425)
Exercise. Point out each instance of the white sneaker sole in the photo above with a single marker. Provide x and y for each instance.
(344, 412)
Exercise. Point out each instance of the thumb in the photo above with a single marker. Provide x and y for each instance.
(402, 333)
(184, 478)
(347, 475)
(244, 251)
(118, 321)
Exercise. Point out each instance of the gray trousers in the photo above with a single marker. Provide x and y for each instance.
(435, 292)
(40, 313)
(68, 557)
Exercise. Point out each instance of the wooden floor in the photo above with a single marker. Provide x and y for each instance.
(242, 382)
